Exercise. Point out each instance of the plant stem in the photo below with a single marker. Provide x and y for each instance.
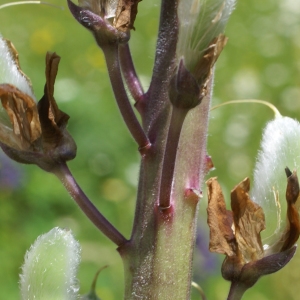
(112, 60)
(158, 257)
(237, 291)
(64, 175)
(166, 43)
(176, 123)
(129, 72)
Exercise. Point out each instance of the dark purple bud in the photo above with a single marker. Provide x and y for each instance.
(184, 91)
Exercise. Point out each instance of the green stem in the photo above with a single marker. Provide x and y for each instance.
(158, 258)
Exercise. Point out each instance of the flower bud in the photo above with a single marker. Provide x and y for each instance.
(184, 91)
(200, 22)
(201, 39)
(50, 267)
(280, 147)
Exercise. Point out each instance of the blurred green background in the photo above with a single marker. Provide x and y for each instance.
(261, 60)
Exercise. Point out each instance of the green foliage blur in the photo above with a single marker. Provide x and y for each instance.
(260, 61)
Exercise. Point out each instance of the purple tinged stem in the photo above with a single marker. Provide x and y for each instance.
(177, 118)
(65, 176)
(128, 70)
(111, 54)
(166, 45)
(237, 291)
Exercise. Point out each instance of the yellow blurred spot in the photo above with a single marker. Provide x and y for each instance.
(152, 25)
(41, 41)
(115, 190)
(94, 57)
(105, 293)
(44, 39)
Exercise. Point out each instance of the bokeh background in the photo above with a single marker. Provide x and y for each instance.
(261, 60)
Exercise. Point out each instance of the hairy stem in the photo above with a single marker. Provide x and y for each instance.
(166, 44)
(64, 175)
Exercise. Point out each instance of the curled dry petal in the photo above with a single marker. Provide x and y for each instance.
(222, 239)
(56, 139)
(15, 57)
(292, 198)
(125, 14)
(53, 120)
(291, 233)
(10, 71)
(249, 221)
(104, 32)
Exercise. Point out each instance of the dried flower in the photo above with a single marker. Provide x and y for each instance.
(121, 12)
(108, 20)
(34, 133)
(236, 233)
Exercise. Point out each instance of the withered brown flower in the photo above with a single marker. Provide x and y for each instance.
(123, 12)
(36, 132)
(236, 233)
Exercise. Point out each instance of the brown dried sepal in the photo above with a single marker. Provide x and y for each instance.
(23, 115)
(204, 67)
(249, 221)
(219, 220)
(292, 231)
(125, 14)
(209, 165)
(15, 57)
(53, 120)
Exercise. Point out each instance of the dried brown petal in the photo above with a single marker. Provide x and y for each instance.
(219, 221)
(23, 115)
(125, 14)
(15, 57)
(292, 232)
(249, 221)
(52, 119)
